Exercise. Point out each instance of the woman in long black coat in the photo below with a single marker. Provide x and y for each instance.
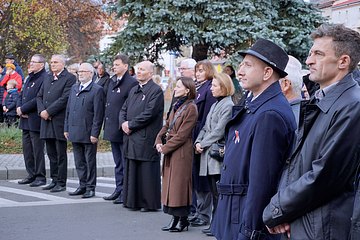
(204, 72)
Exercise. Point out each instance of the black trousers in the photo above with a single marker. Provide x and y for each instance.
(85, 163)
(33, 151)
(118, 156)
(213, 179)
(56, 151)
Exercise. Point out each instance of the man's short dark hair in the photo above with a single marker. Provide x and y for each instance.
(123, 58)
(346, 41)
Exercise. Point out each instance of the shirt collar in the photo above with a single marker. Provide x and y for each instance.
(85, 85)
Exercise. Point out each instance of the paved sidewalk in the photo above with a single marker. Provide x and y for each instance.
(12, 166)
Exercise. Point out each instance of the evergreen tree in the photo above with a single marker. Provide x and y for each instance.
(210, 26)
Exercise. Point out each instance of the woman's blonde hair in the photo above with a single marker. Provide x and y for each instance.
(226, 83)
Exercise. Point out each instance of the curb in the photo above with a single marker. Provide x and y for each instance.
(19, 173)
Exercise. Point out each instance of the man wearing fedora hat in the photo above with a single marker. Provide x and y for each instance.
(260, 137)
(315, 199)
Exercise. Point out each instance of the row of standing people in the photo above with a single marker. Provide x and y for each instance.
(283, 166)
(259, 145)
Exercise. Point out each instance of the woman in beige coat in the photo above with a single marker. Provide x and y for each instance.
(175, 142)
(214, 129)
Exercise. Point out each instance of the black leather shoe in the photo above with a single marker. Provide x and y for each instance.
(58, 188)
(37, 183)
(112, 197)
(26, 180)
(199, 222)
(118, 200)
(89, 194)
(50, 186)
(78, 191)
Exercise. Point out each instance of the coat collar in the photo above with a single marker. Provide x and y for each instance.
(272, 91)
(145, 88)
(347, 82)
(34, 76)
(88, 88)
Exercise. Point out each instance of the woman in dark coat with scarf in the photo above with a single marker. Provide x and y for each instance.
(204, 72)
(175, 142)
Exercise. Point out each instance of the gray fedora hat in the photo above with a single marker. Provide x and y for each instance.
(270, 53)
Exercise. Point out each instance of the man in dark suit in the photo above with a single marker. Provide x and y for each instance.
(33, 146)
(51, 103)
(86, 100)
(141, 118)
(117, 92)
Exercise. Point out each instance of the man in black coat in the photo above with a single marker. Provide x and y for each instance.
(316, 192)
(141, 118)
(51, 103)
(33, 146)
(83, 121)
(117, 92)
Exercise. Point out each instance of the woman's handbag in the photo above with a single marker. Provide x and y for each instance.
(217, 151)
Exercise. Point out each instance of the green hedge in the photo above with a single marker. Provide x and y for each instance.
(10, 141)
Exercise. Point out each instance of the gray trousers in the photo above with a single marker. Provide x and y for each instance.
(204, 205)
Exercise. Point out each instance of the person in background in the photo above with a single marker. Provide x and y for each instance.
(10, 59)
(315, 197)
(51, 105)
(102, 77)
(229, 70)
(9, 104)
(87, 100)
(11, 74)
(186, 69)
(117, 93)
(175, 141)
(204, 71)
(132, 72)
(141, 119)
(73, 69)
(157, 80)
(213, 131)
(2, 89)
(33, 146)
(292, 84)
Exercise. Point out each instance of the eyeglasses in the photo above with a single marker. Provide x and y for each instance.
(83, 71)
(34, 62)
(183, 69)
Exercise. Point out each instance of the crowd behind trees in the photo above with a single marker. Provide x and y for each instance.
(251, 154)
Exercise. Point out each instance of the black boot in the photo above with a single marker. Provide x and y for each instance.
(183, 223)
(172, 225)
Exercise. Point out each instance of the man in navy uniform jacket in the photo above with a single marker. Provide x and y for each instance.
(83, 121)
(259, 137)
